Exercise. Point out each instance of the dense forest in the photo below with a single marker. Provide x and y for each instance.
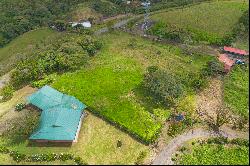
(19, 16)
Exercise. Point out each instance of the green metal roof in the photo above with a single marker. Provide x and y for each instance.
(60, 116)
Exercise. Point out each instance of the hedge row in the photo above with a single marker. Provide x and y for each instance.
(18, 157)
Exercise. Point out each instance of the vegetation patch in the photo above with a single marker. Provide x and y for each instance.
(236, 90)
(109, 83)
(215, 151)
(211, 22)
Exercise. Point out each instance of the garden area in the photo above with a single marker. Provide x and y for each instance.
(209, 22)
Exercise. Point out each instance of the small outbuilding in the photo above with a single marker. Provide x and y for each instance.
(227, 61)
(85, 24)
(61, 116)
(235, 51)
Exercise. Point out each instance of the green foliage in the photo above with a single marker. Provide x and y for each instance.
(202, 23)
(19, 107)
(7, 92)
(213, 68)
(176, 128)
(68, 53)
(106, 8)
(89, 44)
(161, 115)
(20, 16)
(47, 80)
(140, 158)
(216, 154)
(163, 86)
(236, 90)
(18, 157)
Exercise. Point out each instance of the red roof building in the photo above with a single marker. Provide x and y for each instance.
(236, 51)
(228, 63)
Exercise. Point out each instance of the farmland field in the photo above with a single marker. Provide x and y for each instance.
(109, 84)
(236, 90)
(214, 154)
(207, 21)
(22, 46)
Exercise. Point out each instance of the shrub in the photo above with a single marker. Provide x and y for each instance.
(63, 55)
(40, 83)
(6, 92)
(18, 157)
(240, 142)
(218, 140)
(161, 115)
(141, 158)
(119, 144)
(163, 86)
(176, 128)
(20, 107)
(213, 68)
(89, 44)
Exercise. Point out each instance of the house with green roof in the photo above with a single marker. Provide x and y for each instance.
(61, 116)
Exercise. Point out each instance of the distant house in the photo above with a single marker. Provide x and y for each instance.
(61, 116)
(228, 62)
(85, 24)
(235, 51)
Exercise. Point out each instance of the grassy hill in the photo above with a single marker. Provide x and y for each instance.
(111, 81)
(22, 46)
(206, 22)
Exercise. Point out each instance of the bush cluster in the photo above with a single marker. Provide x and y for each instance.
(67, 54)
(18, 157)
(6, 92)
(163, 86)
(20, 107)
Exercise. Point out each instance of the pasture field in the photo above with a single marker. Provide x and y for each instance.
(208, 21)
(22, 46)
(236, 90)
(111, 83)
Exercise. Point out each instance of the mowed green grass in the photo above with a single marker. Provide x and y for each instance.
(108, 85)
(210, 154)
(216, 18)
(22, 46)
(96, 145)
(236, 90)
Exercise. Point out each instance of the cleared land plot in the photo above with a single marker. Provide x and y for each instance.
(236, 90)
(22, 46)
(215, 19)
(109, 84)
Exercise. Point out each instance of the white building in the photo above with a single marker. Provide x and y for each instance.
(85, 24)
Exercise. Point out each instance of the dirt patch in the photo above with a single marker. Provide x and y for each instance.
(210, 99)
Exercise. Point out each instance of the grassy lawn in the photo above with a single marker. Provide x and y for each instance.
(22, 46)
(214, 19)
(96, 145)
(110, 83)
(213, 154)
(236, 90)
